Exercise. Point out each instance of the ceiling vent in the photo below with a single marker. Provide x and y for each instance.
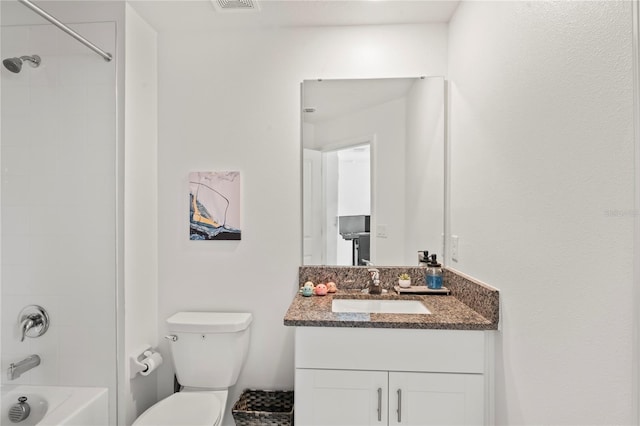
(235, 5)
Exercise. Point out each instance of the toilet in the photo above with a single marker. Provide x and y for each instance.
(209, 350)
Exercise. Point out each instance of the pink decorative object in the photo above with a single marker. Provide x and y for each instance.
(321, 290)
(331, 287)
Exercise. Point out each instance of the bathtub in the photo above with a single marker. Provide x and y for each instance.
(57, 405)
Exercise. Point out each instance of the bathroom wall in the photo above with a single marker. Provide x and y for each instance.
(235, 106)
(424, 169)
(140, 212)
(58, 204)
(542, 199)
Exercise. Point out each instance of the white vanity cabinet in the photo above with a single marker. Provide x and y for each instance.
(370, 376)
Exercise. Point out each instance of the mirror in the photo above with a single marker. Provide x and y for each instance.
(373, 153)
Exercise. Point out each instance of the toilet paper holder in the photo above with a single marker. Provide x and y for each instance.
(144, 361)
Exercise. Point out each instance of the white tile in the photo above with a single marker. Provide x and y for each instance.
(47, 249)
(16, 158)
(87, 355)
(12, 80)
(43, 39)
(99, 160)
(102, 100)
(15, 221)
(50, 279)
(43, 156)
(100, 72)
(42, 101)
(15, 100)
(102, 128)
(15, 41)
(15, 250)
(17, 280)
(72, 70)
(15, 130)
(71, 149)
(99, 190)
(102, 34)
(46, 74)
(74, 105)
(69, 46)
(60, 189)
(13, 189)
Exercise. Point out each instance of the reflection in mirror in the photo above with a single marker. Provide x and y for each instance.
(373, 170)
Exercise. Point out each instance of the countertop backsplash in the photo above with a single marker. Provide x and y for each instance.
(475, 294)
(357, 277)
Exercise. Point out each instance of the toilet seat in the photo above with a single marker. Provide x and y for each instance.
(184, 409)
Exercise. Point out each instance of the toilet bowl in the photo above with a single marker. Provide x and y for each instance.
(209, 350)
(185, 409)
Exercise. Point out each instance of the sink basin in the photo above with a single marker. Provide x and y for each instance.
(374, 306)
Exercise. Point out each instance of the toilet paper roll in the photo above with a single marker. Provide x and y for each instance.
(151, 362)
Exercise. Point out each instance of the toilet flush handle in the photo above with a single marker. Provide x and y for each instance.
(171, 337)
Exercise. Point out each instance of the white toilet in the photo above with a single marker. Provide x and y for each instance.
(209, 349)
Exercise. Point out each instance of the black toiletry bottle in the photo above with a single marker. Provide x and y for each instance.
(434, 273)
(423, 258)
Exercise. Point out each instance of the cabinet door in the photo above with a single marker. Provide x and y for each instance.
(340, 397)
(430, 399)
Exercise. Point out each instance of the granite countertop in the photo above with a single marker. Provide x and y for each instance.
(447, 312)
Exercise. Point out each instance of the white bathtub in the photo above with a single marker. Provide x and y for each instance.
(57, 405)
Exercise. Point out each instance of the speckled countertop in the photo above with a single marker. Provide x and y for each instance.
(476, 306)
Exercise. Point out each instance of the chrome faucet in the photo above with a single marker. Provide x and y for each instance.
(15, 370)
(374, 284)
(34, 321)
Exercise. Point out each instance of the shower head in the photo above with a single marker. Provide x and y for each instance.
(15, 64)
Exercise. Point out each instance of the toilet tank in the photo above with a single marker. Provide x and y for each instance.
(210, 347)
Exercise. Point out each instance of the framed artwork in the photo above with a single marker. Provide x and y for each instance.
(214, 206)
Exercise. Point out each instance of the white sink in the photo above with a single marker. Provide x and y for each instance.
(379, 306)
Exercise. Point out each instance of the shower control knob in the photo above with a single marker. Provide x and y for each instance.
(33, 321)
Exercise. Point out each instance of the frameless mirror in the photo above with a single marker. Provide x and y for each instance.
(373, 170)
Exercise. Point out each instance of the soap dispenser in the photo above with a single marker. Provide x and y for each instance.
(434, 273)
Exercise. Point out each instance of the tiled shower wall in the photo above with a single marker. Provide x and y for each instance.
(58, 204)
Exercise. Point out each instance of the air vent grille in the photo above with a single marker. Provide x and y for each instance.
(235, 5)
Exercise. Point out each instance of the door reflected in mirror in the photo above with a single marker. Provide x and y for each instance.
(373, 170)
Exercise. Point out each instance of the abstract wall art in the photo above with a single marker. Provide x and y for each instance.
(214, 206)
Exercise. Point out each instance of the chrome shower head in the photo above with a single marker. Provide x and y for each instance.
(15, 64)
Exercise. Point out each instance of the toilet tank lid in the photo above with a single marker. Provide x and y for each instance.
(197, 322)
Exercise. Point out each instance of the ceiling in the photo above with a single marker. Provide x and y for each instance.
(184, 15)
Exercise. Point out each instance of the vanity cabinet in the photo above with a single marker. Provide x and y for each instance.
(368, 376)
(353, 398)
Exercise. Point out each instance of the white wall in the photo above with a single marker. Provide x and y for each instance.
(542, 159)
(140, 209)
(424, 169)
(235, 106)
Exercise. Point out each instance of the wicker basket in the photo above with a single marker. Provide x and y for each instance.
(263, 408)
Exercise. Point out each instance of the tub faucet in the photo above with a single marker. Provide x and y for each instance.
(15, 370)
(374, 284)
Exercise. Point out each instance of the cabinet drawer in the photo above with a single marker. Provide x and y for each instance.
(453, 351)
